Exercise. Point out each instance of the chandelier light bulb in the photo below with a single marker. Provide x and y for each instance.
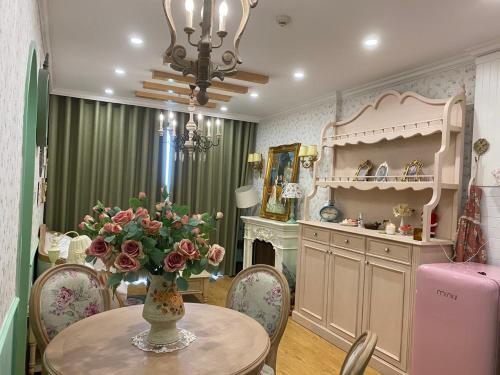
(222, 16)
(162, 117)
(223, 9)
(189, 5)
(200, 117)
(170, 115)
(189, 13)
(217, 122)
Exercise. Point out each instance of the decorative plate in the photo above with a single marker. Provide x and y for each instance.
(382, 172)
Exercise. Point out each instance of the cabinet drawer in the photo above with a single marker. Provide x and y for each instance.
(349, 241)
(388, 249)
(316, 234)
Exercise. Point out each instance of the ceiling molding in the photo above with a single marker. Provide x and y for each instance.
(43, 14)
(485, 48)
(151, 104)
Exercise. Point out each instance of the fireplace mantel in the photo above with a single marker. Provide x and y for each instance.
(282, 236)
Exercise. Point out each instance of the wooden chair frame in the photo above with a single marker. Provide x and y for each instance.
(275, 338)
(34, 306)
(358, 364)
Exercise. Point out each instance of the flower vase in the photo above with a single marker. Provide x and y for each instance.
(162, 309)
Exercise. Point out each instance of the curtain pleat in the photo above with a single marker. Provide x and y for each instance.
(209, 185)
(99, 151)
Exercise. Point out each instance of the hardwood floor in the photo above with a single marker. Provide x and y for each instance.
(301, 352)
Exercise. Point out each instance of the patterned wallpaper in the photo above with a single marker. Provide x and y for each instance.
(305, 124)
(19, 25)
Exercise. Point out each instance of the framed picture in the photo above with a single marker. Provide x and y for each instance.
(382, 172)
(412, 170)
(282, 168)
(363, 170)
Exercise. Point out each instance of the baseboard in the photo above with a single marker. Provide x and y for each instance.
(379, 364)
(7, 338)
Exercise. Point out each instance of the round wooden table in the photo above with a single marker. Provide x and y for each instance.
(228, 342)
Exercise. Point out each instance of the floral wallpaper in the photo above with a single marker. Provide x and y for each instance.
(19, 25)
(305, 124)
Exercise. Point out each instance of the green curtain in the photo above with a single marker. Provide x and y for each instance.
(208, 185)
(99, 151)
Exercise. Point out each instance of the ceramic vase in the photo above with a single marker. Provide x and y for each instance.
(162, 309)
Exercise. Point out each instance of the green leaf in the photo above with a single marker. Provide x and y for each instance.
(182, 283)
(180, 210)
(90, 259)
(203, 263)
(186, 273)
(164, 231)
(157, 256)
(164, 192)
(109, 238)
(132, 277)
(115, 279)
(170, 276)
(144, 260)
(148, 242)
(135, 203)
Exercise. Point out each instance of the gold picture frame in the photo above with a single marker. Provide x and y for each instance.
(364, 170)
(412, 171)
(282, 167)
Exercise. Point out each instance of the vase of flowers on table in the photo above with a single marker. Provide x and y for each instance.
(169, 246)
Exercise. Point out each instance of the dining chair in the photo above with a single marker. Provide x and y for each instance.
(359, 355)
(262, 293)
(63, 295)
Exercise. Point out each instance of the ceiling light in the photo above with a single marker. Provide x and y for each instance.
(170, 80)
(254, 94)
(223, 108)
(120, 71)
(109, 91)
(200, 116)
(136, 41)
(371, 42)
(170, 91)
(298, 75)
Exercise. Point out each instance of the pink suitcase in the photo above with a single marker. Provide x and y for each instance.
(456, 323)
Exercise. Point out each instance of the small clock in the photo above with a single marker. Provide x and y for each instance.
(330, 213)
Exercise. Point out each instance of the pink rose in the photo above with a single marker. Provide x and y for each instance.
(81, 225)
(142, 195)
(201, 240)
(125, 263)
(95, 208)
(107, 209)
(112, 228)
(169, 215)
(99, 248)
(219, 216)
(196, 231)
(174, 261)
(123, 217)
(141, 213)
(64, 297)
(187, 249)
(185, 219)
(103, 216)
(151, 226)
(132, 248)
(88, 219)
(159, 206)
(215, 254)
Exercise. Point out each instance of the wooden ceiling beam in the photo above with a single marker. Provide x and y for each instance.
(240, 74)
(182, 90)
(161, 75)
(165, 97)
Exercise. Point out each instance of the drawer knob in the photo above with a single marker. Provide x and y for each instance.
(346, 241)
(366, 262)
(315, 234)
(387, 250)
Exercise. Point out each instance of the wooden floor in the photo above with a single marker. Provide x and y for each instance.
(301, 352)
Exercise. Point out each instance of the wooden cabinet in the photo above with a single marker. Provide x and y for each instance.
(345, 292)
(313, 265)
(361, 281)
(386, 308)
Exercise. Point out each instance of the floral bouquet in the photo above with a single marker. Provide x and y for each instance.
(169, 242)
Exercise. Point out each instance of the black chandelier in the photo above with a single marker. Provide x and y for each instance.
(203, 69)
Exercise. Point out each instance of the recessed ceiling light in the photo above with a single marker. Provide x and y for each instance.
(170, 91)
(371, 42)
(298, 75)
(254, 94)
(136, 41)
(223, 108)
(109, 91)
(170, 80)
(120, 71)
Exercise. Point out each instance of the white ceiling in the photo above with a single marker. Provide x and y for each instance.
(88, 39)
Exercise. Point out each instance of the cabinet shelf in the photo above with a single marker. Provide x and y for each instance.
(389, 182)
(423, 128)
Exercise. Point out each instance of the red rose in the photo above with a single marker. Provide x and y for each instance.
(141, 213)
(187, 248)
(215, 254)
(112, 228)
(174, 261)
(132, 248)
(99, 248)
(151, 226)
(125, 263)
(123, 217)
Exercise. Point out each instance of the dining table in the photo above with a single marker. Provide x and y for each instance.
(227, 343)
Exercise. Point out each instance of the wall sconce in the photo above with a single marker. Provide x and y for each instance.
(256, 162)
(308, 155)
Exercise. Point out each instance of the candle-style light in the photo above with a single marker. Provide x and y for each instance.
(161, 117)
(203, 68)
(218, 125)
(209, 129)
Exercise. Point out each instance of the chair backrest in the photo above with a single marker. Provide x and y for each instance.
(359, 355)
(262, 293)
(63, 295)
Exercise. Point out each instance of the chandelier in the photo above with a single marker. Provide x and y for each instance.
(194, 140)
(203, 69)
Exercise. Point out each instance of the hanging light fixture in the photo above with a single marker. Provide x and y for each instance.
(203, 69)
(193, 140)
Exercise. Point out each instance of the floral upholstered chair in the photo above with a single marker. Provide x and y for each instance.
(63, 295)
(262, 293)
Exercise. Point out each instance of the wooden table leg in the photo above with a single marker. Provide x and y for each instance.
(32, 351)
(204, 293)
